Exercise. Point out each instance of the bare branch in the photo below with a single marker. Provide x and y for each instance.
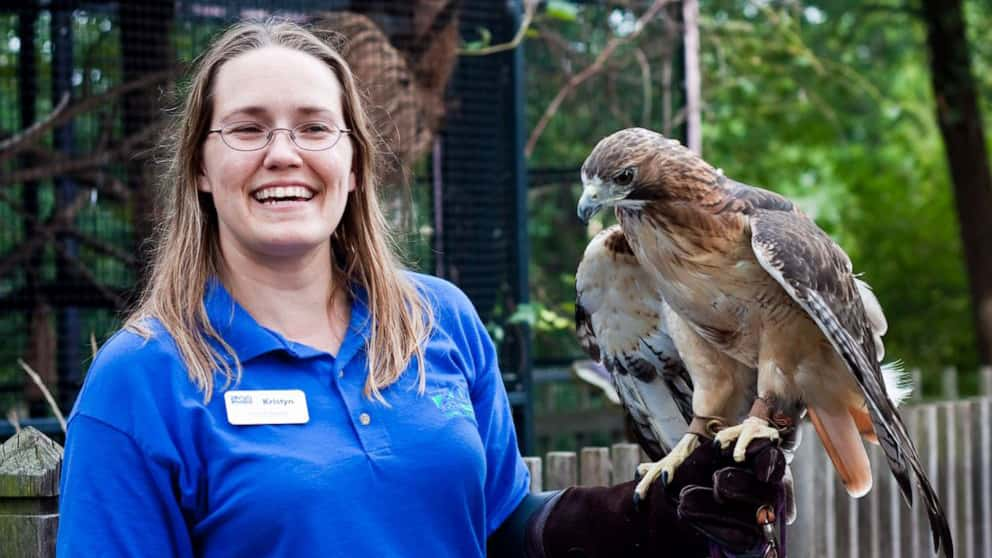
(104, 183)
(93, 161)
(642, 61)
(85, 274)
(611, 101)
(666, 96)
(530, 6)
(44, 390)
(59, 220)
(104, 248)
(590, 71)
(18, 142)
(14, 419)
(693, 100)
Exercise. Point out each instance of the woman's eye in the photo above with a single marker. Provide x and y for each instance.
(246, 129)
(315, 128)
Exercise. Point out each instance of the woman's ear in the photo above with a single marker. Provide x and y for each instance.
(203, 183)
(352, 182)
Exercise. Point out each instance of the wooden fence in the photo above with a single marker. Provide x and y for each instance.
(954, 439)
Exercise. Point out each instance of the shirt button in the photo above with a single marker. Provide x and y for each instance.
(341, 374)
(365, 419)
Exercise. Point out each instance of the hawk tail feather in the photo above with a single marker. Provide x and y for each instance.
(862, 419)
(841, 440)
(895, 440)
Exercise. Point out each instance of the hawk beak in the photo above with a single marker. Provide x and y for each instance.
(590, 203)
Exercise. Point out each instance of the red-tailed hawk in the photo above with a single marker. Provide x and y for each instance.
(761, 306)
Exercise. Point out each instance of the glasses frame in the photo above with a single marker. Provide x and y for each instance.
(271, 134)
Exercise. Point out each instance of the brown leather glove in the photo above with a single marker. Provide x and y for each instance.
(721, 498)
(711, 498)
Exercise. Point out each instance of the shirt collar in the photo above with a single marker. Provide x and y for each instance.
(237, 327)
(250, 339)
(359, 328)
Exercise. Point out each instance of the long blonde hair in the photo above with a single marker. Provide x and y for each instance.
(186, 251)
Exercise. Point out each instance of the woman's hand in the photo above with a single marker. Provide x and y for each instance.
(728, 501)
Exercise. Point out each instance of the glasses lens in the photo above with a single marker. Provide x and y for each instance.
(251, 136)
(245, 136)
(316, 136)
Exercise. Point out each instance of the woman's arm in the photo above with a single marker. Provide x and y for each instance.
(116, 500)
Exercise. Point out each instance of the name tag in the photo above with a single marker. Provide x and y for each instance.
(273, 406)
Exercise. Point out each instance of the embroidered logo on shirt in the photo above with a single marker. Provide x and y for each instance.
(453, 401)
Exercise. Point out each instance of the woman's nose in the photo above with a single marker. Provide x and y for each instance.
(282, 150)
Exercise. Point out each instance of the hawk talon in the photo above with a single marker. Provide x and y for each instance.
(665, 468)
(743, 434)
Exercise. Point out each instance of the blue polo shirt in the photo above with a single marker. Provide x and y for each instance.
(150, 470)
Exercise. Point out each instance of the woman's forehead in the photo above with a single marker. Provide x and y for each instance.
(276, 80)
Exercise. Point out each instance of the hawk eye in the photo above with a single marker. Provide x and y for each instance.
(624, 177)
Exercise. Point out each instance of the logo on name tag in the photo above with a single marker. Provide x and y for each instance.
(274, 406)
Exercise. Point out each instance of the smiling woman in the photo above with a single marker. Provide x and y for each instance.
(281, 90)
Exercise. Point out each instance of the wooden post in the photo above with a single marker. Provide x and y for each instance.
(950, 383)
(536, 474)
(594, 465)
(626, 457)
(916, 376)
(562, 470)
(985, 380)
(30, 466)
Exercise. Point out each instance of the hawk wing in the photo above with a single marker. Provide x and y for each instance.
(618, 320)
(818, 276)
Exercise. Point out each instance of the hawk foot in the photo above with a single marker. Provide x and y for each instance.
(742, 435)
(665, 468)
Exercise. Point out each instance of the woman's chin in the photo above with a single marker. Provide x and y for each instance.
(294, 246)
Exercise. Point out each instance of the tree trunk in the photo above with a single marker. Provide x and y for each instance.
(960, 123)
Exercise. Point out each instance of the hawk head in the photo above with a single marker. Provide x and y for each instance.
(635, 166)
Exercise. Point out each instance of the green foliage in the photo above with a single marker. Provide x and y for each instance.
(826, 102)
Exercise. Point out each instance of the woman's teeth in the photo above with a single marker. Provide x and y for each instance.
(283, 193)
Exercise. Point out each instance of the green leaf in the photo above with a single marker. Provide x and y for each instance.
(561, 10)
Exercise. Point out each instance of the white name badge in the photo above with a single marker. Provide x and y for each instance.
(272, 406)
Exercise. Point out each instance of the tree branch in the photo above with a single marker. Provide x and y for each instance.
(642, 61)
(93, 161)
(102, 247)
(530, 6)
(16, 143)
(59, 220)
(588, 72)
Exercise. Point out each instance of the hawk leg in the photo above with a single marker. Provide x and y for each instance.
(756, 425)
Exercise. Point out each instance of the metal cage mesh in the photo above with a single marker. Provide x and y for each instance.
(76, 200)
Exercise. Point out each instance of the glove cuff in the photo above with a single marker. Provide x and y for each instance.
(534, 531)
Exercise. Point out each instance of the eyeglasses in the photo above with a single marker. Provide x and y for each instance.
(252, 136)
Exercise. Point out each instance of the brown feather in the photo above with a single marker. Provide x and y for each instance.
(840, 438)
(863, 421)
